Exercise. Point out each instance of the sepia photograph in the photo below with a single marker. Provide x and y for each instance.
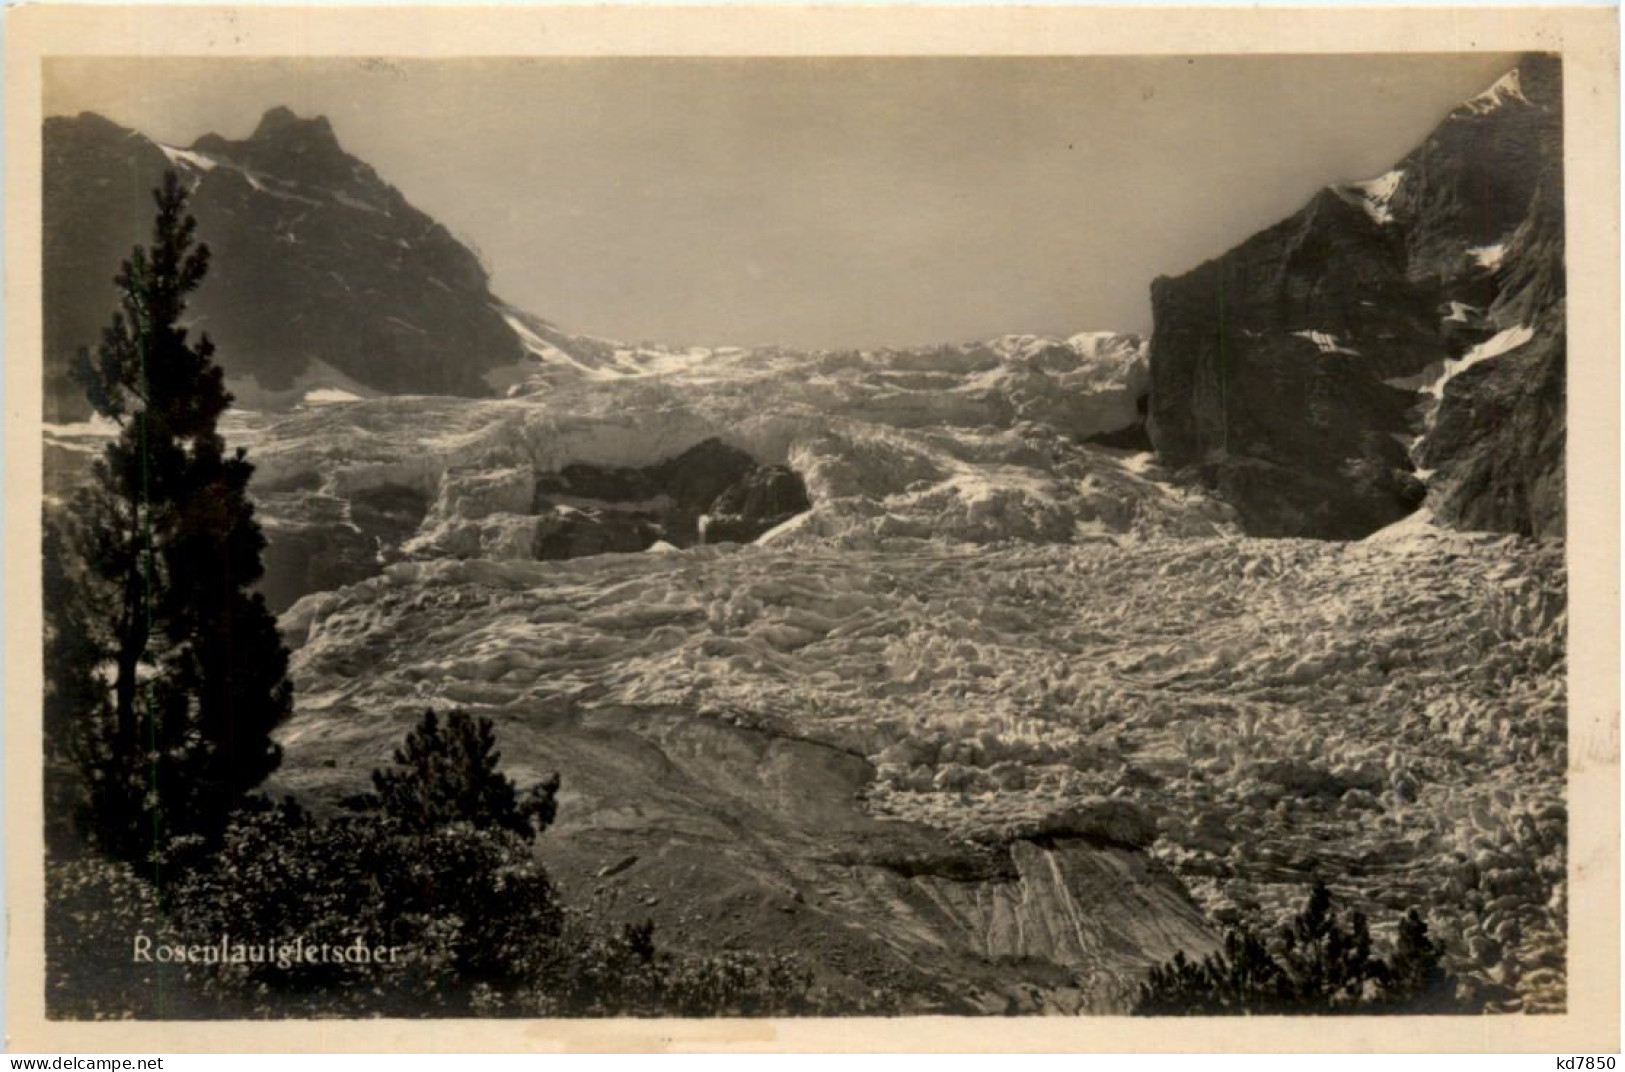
(550, 537)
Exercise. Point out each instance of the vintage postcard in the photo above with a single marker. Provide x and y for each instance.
(665, 528)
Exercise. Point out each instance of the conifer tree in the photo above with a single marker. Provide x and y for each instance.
(172, 674)
(448, 774)
(1417, 971)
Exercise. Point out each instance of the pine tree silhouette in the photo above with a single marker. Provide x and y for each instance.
(169, 690)
(1317, 964)
(449, 774)
(1417, 974)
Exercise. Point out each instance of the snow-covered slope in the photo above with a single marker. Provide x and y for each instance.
(1083, 385)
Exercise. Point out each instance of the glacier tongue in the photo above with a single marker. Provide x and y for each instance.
(1256, 711)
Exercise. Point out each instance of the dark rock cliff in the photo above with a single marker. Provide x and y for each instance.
(317, 260)
(1395, 341)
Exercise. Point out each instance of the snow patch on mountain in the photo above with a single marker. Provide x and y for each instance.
(1374, 196)
(189, 158)
(1325, 342)
(1506, 89)
(538, 348)
(327, 396)
(1502, 342)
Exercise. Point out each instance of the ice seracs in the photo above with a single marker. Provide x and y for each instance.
(540, 348)
(1396, 703)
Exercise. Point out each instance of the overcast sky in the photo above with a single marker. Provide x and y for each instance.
(827, 202)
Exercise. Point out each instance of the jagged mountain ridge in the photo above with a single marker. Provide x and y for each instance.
(976, 441)
(1395, 342)
(326, 279)
(1327, 376)
(323, 274)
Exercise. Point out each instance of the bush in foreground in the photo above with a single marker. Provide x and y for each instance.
(1317, 963)
(437, 865)
(453, 908)
(449, 774)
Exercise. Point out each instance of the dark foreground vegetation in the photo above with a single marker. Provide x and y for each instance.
(433, 877)
(1316, 963)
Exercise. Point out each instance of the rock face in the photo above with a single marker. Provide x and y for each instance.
(1497, 441)
(1396, 341)
(323, 274)
(759, 501)
(709, 492)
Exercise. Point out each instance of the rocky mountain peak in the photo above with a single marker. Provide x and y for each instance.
(1536, 82)
(281, 131)
(290, 147)
(281, 121)
(1309, 374)
(324, 274)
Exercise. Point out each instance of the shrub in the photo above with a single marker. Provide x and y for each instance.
(437, 864)
(1416, 974)
(96, 912)
(1318, 963)
(597, 972)
(450, 775)
(462, 907)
